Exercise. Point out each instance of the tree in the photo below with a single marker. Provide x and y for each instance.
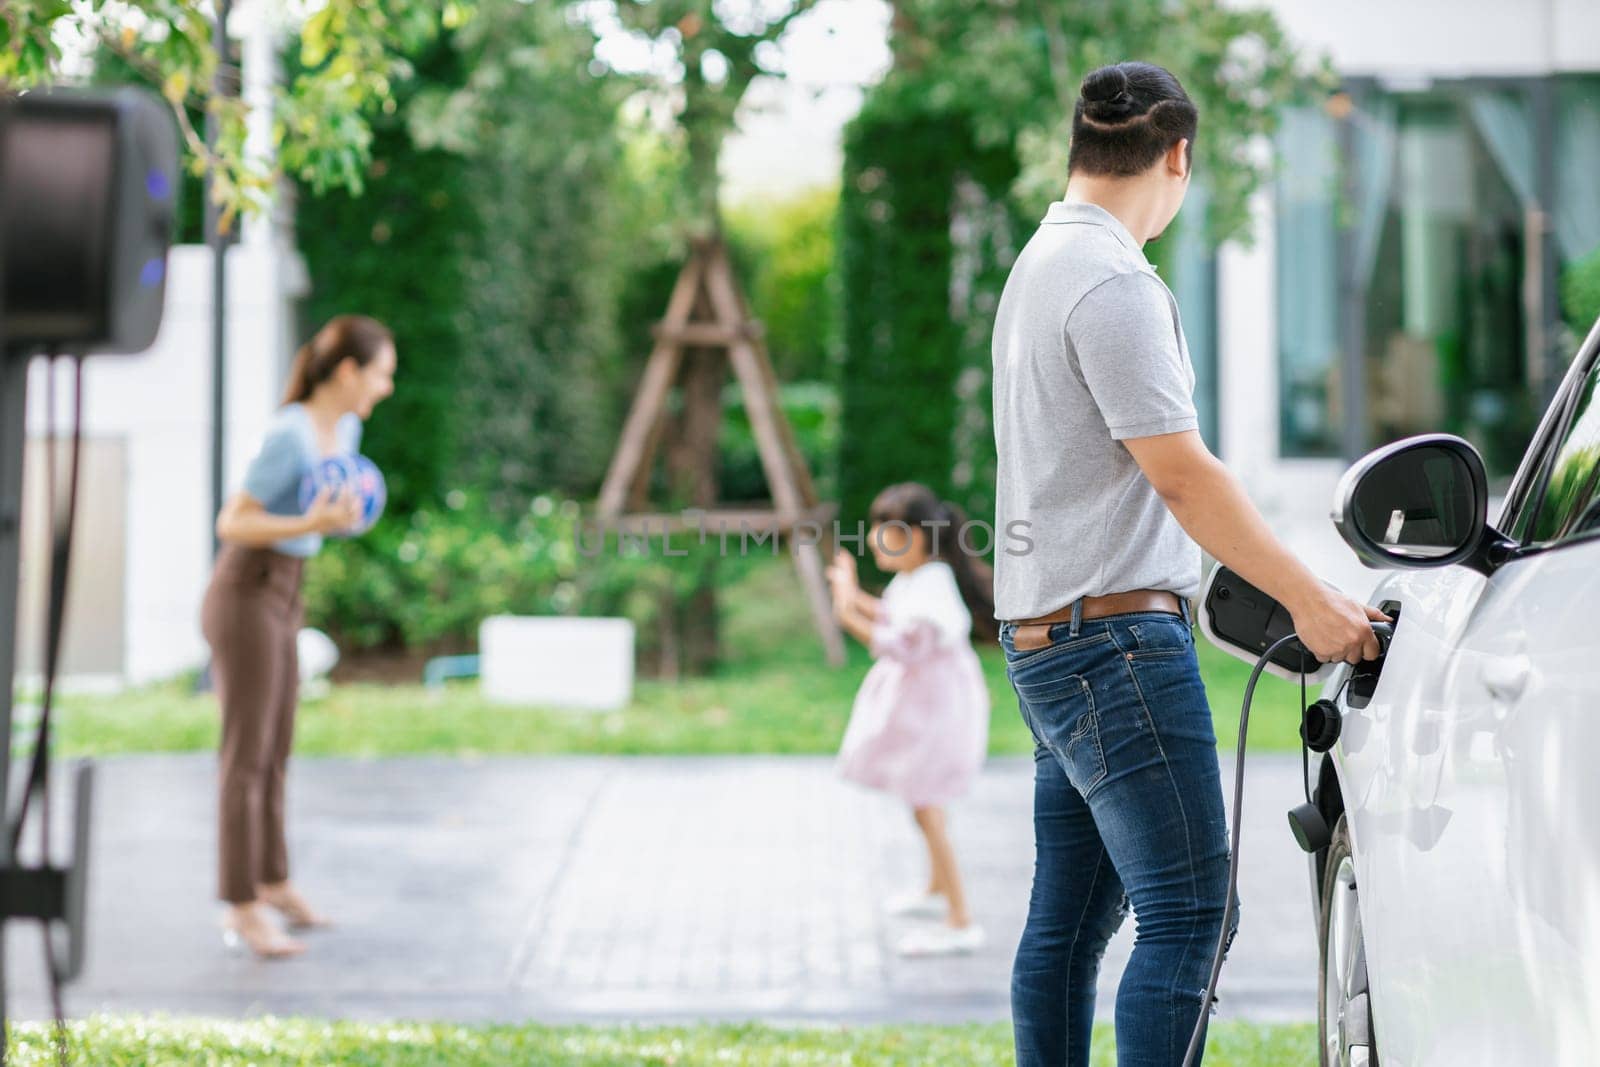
(718, 49)
(966, 138)
(785, 252)
(1013, 70)
(351, 54)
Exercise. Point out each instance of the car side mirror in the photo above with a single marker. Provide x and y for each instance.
(1419, 503)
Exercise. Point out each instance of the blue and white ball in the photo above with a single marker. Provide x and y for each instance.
(374, 492)
(357, 473)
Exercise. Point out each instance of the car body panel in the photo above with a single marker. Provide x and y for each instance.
(1467, 784)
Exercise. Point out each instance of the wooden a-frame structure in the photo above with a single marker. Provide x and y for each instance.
(707, 313)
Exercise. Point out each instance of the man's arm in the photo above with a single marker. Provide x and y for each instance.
(1211, 505)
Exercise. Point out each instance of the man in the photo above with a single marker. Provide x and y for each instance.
(1105, 482)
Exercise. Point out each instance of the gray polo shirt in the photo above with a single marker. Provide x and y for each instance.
(1088, 351)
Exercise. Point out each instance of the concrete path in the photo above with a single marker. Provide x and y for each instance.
(589, 889)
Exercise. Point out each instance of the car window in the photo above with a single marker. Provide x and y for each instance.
(1526, 491)
(1570, 504)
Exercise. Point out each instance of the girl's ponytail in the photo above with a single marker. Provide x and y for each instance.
(356, 337)
(298, 390)
(974, 577)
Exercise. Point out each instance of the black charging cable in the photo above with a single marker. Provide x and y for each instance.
(1305, 747)
(63, 520)
(1384, 630)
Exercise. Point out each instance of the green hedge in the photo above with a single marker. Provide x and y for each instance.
(429, 580)
(917, 309)
(901, 349)
(398, 253)
(1580, 292)
(496, 259)
(544, 371)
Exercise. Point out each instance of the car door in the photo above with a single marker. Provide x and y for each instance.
(1480, 870)
(1528, 676)
(1399, 759)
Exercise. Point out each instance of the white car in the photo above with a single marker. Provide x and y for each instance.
(1458, 893)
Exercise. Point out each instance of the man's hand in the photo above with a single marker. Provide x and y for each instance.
(1335, 628)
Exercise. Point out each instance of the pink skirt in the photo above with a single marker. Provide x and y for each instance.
(919, 728)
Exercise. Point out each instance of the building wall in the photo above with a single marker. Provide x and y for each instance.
(1445, 38)
(157, 407)
(93, 641)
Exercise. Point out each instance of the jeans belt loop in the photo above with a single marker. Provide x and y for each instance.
(1183, 610)
(1077, 616)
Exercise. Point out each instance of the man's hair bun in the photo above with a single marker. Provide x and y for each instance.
(1106, 96)
(1105, 84)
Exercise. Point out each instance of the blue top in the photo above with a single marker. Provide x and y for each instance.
(287, 455)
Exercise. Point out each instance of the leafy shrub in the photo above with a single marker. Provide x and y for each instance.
(428, 583)
(1580, 292)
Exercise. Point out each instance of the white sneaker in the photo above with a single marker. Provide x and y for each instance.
(942, 941)
(917, 903)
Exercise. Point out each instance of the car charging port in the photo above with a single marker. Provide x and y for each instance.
(1364, 675)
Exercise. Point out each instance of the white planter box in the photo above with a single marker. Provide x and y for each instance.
(556, 661)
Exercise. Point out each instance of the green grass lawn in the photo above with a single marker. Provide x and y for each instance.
(775, 694)
(128, 1041)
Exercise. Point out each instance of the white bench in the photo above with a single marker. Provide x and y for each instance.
(556, 661)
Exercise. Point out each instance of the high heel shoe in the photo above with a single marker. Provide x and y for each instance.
(259, 937)
(293, 907)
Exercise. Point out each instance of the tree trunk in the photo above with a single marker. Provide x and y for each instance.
(692, 475)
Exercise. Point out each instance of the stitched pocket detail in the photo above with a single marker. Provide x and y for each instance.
(1082, 641)
(1159, 637)
(1062, 713)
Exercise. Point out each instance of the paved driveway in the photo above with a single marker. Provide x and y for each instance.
(578, 889)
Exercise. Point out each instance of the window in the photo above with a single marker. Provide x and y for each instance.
(1571, 500)
(1445, 338)
(1186, 262)
(1405, 256)
(1307, 282)
(1577, 161)
(1195, 288)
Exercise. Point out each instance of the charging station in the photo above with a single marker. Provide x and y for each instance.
(88, 183)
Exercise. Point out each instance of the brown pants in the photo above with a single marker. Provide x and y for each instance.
(251, 617)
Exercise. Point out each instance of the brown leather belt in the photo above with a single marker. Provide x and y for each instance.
(1035, 633)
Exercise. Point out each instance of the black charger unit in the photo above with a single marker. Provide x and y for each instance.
(1244, 622)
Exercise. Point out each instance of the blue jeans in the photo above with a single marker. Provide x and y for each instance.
(1127, 811)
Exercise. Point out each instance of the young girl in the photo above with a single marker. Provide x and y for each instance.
(252, 613)
(920, 724)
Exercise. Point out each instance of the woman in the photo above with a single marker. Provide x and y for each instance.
(252, 615)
